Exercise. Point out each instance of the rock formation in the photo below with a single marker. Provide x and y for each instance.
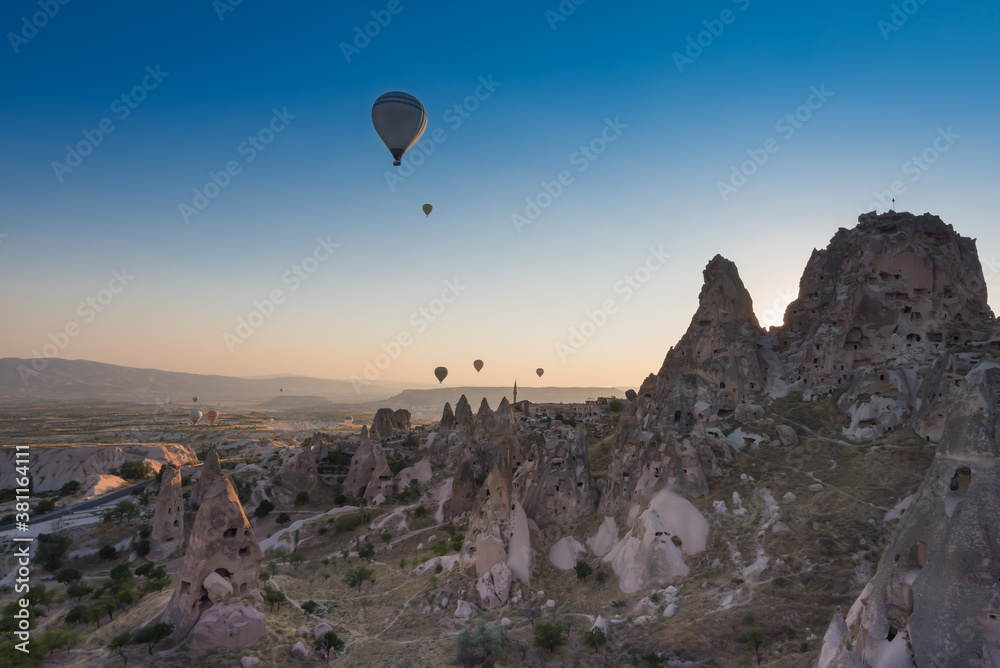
(298, 471)
(167, 534)
(554, 483)
(877, 307)
(464, 420)
(211, 472)
(369, 474)
(61, 464)
(935, 592)
(463, 489)
(216, 602)
(389, 424)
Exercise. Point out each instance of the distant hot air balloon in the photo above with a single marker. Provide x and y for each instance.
(539, 371)
(194, 399)
(399, 120)
(479, 365)
(441, 373)
(427, 209)
(195, 416)
(281, 389)
(212, 416)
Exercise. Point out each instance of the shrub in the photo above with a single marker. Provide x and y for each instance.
(301, 498)
(480, 644)
(107, 552)
(348, 522)
(263, 509)
(583, 569)
(549, 636)
(283, 518)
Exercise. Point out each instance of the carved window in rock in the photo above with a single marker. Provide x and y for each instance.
(230, 533)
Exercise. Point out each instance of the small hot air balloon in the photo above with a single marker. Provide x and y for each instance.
(281, 389)
(399, 120)
(539, 371)
(194, 399)
(479, 365)
(195, 416)
(441, 373)
(212, 416)
(427, 209)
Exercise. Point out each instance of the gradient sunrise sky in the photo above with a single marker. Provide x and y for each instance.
(678, 130)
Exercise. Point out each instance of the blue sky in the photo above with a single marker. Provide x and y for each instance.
(893, 79)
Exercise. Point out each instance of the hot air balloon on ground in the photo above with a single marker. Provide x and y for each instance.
(195, 416)
(212, 416)
(441, 373)
(539, 371)
(399, 120)
(427, 209)
(479, 365)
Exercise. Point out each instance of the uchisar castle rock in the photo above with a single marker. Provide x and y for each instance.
(839, 470)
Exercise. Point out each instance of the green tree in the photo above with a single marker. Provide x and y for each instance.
(45, 506)
(358, 576)
(755, 643)
(615, 405)
(121, 573)
(263, 509)
(133, 470)
(283, 518)
(274, 597)
(367, 552)
(78, 591)
(51, 550)
(68, 575)
(582, 569)
(481, 643)
(328, 643)
(142, 547)
(302, 498)
(60, 638)
(118, 643)
(309, 607)
(11, 657)
(71, 487)
(549, 636)
(153, 634)
(107, 552)
(531, 613)
(595, 637)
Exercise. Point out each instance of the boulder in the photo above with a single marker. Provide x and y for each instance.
(235, 624)
(494, 586)
(463, 610)
(605, 538)
(249, 662)
(564, 553)
(218, 587)
(299, 650)
(787, 435)
(320, 629)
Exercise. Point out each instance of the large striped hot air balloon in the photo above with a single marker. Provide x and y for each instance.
(212, 416)
(195, 416)
(399, 120)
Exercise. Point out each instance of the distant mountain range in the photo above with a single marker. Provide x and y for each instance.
(85, 381)
(81, 380)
